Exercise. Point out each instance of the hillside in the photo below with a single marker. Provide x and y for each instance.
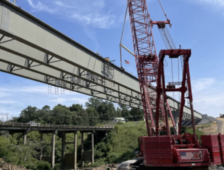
(120, 143)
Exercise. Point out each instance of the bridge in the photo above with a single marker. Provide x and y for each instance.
(32, 49)
(68, 159)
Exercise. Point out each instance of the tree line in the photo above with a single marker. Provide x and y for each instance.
(96, 111)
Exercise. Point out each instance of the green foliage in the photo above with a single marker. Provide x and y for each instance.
(93, 116)
(57, 166)
(137, 114)
(98, 162)
(93, 102)
(97, 112)
(124, 111)
(120, 143)
(44, 166)
(26, 152)
(7, 150)
(198, 132)
(106, 111)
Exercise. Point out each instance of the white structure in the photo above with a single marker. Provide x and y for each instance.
(33, 123)
(119, 119)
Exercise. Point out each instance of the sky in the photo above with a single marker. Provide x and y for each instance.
(97, 25)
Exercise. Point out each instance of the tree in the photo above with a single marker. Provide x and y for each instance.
(119, 112)
(62, 115)
(25, 152)
(81, 115)
(28, 114)
(106, 110)
(93, 116)
(124, 111)
(137, 114)
(93, 102)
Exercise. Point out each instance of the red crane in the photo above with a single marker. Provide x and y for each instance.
(147, 64)
(160, 148)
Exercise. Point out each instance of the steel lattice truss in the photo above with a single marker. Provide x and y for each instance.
(31, 49)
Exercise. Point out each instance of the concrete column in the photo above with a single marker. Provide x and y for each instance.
(53, 149)
(41, 145)
(82, 150)
(63, 150)
(25, 137)
(96, 139)
(92, 147)
(75, 150)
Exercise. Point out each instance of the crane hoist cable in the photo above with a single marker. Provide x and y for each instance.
(164, 11)
(121, 45)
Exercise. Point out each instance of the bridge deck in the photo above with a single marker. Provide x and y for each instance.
(13, 126)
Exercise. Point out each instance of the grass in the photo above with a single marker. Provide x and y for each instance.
(134, 123)
(203, 125)
(198, 132)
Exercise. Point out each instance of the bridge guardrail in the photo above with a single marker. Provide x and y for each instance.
(15, 124)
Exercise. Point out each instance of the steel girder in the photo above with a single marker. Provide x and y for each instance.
(29, 48)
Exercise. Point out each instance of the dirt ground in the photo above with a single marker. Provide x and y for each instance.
(222, 130)
(207, 129)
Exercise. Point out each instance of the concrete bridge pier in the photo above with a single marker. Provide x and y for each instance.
(82, 150)
(25, 137)
(51, 158)
(65, 163)
(53, 149)
(75, 150)
(41, 145)
(63, 148)
(92, 147)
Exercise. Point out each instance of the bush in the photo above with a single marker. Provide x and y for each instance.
(57, 166)
(98, 163)
(44, 166)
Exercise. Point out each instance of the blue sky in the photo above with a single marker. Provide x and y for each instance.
(97, 25)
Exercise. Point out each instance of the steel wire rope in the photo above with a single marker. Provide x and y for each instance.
(170, 38)
(122, 35)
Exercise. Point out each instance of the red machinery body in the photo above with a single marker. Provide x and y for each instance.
(167, 150)
(181, 150)
(161, 151)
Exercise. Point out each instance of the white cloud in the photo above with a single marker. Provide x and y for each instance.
(217, 3)
(7, 101)
(3, 94)
(64, 100)
(202, 84)
(87, 12)
(27, 89)
(207, 99)
(16, 99)
(40, 7)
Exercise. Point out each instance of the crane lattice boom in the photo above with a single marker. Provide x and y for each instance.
(146, 60)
